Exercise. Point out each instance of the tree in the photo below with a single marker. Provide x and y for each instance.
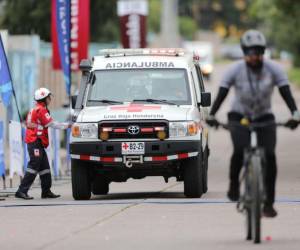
(104, 21)
(187, 27)
(34, 17)
(226, 17)
(154, 16)
(27, 17)
(279, 21)
(187, 24)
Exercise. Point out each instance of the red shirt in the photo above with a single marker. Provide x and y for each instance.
(37, 121)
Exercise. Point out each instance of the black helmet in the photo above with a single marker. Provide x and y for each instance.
(253, 39)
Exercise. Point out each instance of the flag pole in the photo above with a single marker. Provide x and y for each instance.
(15, 97)
(70, 89)
(70, 68)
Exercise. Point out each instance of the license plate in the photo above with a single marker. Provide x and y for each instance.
(133, 148)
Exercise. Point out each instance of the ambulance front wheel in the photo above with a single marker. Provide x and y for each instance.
(81, 182)
(193, 177)
(100, 185)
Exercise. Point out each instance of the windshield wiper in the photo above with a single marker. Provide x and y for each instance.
(106, 101)
(154, 101)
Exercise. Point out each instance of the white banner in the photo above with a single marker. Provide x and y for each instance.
(126, 7)
(15, 149)
(4, 36)
(53, 150)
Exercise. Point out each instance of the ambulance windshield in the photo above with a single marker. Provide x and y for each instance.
(122, 86)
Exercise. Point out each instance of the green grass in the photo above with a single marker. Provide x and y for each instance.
(294, 76)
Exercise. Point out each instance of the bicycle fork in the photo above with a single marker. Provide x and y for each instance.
(245, 198)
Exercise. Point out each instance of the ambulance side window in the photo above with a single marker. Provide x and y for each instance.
(196, 84)
(200, 78)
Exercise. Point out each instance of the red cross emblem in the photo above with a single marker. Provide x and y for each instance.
(125, 146)
(135, 107)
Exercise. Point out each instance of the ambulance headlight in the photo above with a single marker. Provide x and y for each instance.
(85, 130)
(181, 129)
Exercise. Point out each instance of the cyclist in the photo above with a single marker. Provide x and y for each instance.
(254, 80)
(37, 123)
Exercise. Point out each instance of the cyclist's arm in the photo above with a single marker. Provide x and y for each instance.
(219, 100)
(287, 96)
(282, 82)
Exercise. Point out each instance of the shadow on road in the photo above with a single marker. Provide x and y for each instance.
(156, 195)
(140, 195)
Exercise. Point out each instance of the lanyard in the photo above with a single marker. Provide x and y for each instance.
(254, 90)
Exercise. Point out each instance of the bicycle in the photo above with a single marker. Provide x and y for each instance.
(252, 178)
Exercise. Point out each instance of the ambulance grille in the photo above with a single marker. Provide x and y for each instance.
(134, 129)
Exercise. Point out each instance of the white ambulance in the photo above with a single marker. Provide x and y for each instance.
(139, 113)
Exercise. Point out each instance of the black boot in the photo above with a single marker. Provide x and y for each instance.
(22, 195)
(269, 211)
(50, 195)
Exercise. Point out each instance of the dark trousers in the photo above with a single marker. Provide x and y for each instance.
(38, 164)
(266, 139)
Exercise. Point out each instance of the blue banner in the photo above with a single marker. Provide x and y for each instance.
(63, 29)
(2, 162)
(5, 79)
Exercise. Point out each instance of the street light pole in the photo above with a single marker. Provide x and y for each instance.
(169, 24)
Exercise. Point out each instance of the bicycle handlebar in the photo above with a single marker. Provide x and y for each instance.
(252, 126)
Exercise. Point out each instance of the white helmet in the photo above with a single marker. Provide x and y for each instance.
(41, 94)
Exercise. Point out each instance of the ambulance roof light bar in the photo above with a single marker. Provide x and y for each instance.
(136, 52)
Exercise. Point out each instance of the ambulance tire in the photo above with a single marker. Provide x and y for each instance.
(193, 177)
(100, 186)
(205, 169)
(81, 184)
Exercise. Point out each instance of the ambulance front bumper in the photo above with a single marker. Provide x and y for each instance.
(155, 151)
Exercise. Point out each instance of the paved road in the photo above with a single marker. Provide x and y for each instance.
(150, 214)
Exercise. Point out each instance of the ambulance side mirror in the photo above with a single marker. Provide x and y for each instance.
(73, 101)
(85, 65)
(205, 99)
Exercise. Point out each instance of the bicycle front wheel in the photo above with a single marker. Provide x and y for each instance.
(256, 197)
(249, 224)
(247, 206)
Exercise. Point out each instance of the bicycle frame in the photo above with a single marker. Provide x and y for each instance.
(253, 180)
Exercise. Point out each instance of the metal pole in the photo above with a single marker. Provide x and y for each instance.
(70, 79)
(169, 24)
(70, 69)
(4, 181)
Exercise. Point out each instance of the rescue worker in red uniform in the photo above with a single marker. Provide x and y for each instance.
(37, 122)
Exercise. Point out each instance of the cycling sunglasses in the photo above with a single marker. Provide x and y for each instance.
(254, 51)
